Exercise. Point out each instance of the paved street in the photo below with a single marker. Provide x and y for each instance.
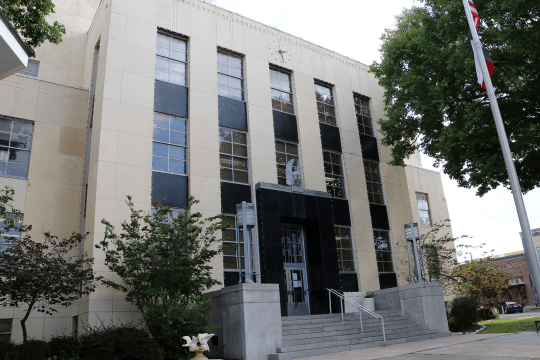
(515, 346)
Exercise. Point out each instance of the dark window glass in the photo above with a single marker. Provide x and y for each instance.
(344, 248)
(171, 59)
(383, 251)
(233, 155)
(230, 76)
(363, 115)
(333, 172)
(325, 105)
(373, 182)
(285, 152)
(15, 146)
(169, 149)
(282, 99)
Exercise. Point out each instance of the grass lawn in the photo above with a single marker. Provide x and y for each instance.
(508, 326)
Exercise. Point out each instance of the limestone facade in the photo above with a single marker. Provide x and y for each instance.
(92, 106)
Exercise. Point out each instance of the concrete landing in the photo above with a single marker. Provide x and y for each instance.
(515, 346)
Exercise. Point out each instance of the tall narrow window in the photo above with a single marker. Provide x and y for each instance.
(170, 144)
(32, 69)
(383, 251)
(344, 248)
(285, 152)
(282, 98)
(373, 182)
(325, 104)
(171, 60)
(233, 155)
(233, 247)
(230, 76)
(15, 146)
(423, 209)
(363, 115)
(333, 172)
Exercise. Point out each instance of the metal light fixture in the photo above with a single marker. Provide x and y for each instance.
(412, 235)
(245, 219)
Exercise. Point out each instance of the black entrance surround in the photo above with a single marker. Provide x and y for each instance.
(277, 204)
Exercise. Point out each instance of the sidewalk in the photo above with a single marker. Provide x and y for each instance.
(514, 346)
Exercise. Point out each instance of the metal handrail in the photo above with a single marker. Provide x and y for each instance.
(357, 305)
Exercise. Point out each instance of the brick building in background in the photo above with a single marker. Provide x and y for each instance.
(519, 288)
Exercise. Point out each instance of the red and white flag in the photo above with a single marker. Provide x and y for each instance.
(487, 59)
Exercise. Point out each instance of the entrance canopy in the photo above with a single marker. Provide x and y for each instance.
(13, 52)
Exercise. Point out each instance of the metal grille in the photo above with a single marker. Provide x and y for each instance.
(292, 243)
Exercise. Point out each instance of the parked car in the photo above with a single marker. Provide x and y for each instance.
(511, 306)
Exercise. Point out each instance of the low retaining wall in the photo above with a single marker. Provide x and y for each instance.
(422, 302)
(248, 320)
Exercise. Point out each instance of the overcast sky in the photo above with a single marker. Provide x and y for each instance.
(353, 28)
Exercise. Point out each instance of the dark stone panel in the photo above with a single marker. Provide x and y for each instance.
(232, 194)
(311, 207)
(369, 147)
(285, 126)
(299, 206)
(171, 99)
(275, 208)
(379, 217)
(285, 204)
(387, 281)
(342, 215)
(349, 282)
(170, 189)
(325, 209)
(330, 137)
(230, 278)
(232, 113)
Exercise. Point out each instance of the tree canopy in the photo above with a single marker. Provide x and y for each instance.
(480, 278)
(434, 103)
(28, 17)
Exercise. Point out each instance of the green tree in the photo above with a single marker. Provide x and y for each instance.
(29, 18)
(481, 279)
(435, 104)
(163, 262)
(39, 275)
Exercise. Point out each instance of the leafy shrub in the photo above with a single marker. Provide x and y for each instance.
(64, 347)
(5, 348)
(486, 314)
(31, 349)
(464, 312)
(117, 342)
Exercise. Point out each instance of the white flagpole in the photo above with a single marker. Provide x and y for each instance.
(510, 168)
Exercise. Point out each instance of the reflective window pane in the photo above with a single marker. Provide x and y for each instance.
(280, 83)
(169, 147)
(15, 146)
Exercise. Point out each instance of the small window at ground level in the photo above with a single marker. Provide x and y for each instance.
(6, 235)
(32, 69)
(5, 329)
(233, 247)
(344, 248)
(383, 251)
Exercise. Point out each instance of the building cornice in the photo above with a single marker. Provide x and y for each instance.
(15, 34)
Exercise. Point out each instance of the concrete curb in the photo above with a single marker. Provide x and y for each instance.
(470, 333)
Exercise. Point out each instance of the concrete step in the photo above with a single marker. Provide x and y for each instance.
(307, 353)
(318, 345)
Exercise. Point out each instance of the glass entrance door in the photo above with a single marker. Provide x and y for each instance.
(294, 263)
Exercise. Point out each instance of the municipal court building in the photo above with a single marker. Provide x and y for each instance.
(175, 98)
